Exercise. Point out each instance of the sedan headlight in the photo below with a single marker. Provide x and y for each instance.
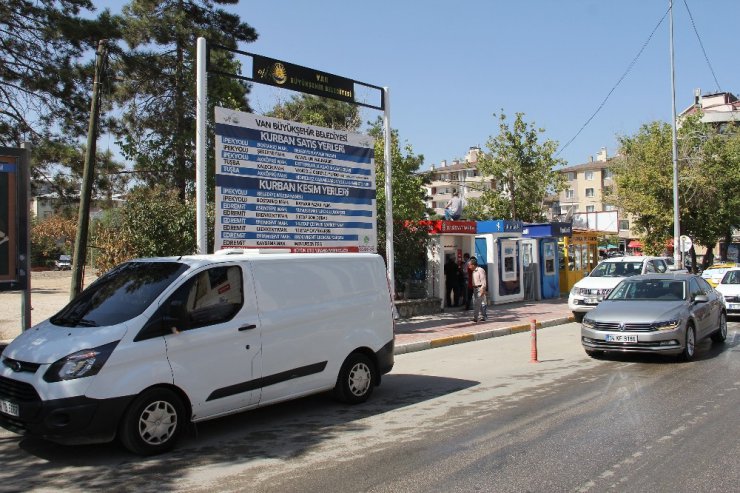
(85, 363)
(588, 323)
(667, 325)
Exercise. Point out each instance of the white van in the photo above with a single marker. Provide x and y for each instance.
(157, 343)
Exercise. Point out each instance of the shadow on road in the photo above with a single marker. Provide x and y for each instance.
(281, 431)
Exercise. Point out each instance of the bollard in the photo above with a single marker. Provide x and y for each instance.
(533, 331)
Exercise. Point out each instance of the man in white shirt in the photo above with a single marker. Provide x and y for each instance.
(453, 209)
(479, 289)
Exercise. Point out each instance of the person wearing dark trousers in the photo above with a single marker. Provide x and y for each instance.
(450, 281)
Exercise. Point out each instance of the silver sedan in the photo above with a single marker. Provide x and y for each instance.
(656, 313)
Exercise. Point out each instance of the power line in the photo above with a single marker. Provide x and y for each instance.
(629, 68)
(706, 57)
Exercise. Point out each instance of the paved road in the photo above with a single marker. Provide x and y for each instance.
(470, 417)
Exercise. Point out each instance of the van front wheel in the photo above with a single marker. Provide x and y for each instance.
(356, 379)
(153, 422)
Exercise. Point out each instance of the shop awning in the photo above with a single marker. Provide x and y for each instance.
(634, 244)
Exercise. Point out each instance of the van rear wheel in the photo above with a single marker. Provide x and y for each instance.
(153, 423)
(356, 379)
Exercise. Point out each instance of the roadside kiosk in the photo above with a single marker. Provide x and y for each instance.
(447, 240)
(498, 251)
(579, 254)
(540, 256)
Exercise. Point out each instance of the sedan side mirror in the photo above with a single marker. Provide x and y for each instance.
(701, 298)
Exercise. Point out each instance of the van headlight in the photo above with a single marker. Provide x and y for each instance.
(85, 363)
(667, 325)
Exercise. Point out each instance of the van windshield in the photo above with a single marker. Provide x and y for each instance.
(121, 294)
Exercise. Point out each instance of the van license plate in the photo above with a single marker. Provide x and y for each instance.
(733, 306)
(621, 337)
(9, 408)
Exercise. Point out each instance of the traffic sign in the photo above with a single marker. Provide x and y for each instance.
(685, 243)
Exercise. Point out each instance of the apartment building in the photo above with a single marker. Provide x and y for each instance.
(587, 185)
(461, 176)
(718, 108)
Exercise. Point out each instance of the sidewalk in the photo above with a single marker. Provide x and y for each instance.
(50, 292)
(456, 326)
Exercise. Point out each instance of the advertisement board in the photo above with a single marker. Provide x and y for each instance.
(8, 233)
(13, 219)
(282, 184)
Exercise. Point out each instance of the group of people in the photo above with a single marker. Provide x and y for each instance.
(466, 285)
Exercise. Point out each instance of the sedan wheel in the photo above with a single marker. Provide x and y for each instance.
(720, 334)
(690, 344)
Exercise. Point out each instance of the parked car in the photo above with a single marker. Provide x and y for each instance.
(656, 313)
(714, 273)
(589, 291)
(64, 262)
(729, 288)
(670, 263)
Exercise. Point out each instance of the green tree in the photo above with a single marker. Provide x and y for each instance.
(709, 182)
(322, 112)
(153, 222)
(409, 240)
(158, 122)
(523, 173)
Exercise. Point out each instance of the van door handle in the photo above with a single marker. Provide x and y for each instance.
(247, 327)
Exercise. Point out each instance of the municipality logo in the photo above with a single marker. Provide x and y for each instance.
(279, 73)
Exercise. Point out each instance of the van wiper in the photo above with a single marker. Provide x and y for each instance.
(73, 322)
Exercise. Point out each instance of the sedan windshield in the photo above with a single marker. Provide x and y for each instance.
(649, 289)
(617, 269)
(120, 295)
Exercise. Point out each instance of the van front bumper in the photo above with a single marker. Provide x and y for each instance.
(71, 420)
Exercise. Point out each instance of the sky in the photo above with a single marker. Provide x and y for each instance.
(451, 65)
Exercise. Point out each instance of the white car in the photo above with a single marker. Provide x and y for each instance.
(729, 287)
(589, 291)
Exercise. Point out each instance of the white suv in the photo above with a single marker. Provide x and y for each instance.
(589, 291)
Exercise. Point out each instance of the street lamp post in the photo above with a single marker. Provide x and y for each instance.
(676, 218)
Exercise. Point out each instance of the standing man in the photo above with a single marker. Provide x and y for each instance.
(450, 282)
(467, 283)
(453, 209)
(478, 277)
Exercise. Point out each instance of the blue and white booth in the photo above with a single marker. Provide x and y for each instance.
(540, 257)
(498, 250)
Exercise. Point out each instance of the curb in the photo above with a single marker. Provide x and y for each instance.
(413, 347)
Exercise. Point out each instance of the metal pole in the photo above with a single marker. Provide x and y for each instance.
(388, 192)
(24, 173)
(676, 217)
(79, 257)
(200, 146)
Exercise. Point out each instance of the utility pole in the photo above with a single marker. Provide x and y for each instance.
(677, 254)
(79, 257)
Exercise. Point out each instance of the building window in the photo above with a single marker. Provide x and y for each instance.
(589, 175)
(610, 207)
(589, 192)
(624, 225)
(571, 175)
(590, 208)
(471, 173)
(447, 190)
(570, 193)
(434, 190)
(608, 174)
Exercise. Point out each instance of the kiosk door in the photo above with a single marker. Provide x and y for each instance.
(549, 268)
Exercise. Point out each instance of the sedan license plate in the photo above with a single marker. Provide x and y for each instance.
(9, 408)
(621, 337)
